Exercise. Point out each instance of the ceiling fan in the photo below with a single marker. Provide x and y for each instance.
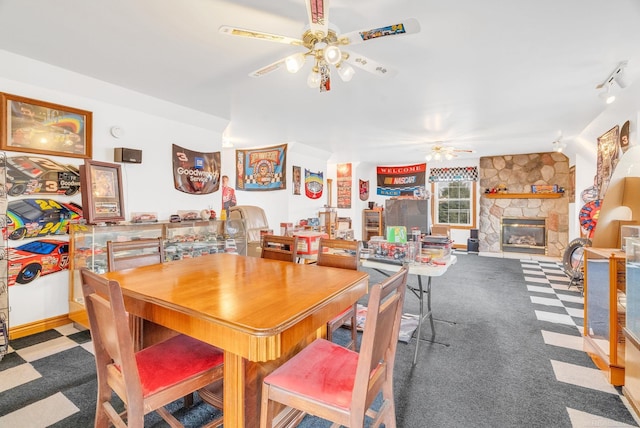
(440, 152)
(325, 47)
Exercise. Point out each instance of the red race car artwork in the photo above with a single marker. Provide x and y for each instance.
(33, 259)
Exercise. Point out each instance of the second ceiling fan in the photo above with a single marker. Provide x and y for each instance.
(325, 47)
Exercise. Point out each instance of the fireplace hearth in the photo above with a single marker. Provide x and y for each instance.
(524, 235)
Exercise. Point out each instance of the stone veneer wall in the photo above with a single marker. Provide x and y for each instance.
(519, 172)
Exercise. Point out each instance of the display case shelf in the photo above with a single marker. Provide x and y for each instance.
(605, 310)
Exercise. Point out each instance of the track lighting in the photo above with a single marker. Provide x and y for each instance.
(559, 146)
(616, 76)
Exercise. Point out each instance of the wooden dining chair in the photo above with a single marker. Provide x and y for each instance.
(337, 384)
(142, 252)
(278, 247)
(341, 254)
(146, 380)
(129, 254)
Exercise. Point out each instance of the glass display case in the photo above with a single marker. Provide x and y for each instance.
(605, 310)
(631, 387)
(88, 247)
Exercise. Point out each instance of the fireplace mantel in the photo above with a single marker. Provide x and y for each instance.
(523, 195)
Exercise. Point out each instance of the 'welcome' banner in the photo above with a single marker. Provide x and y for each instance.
(408, 180)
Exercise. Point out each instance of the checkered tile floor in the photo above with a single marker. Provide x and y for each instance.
(40, 374)
(559, 309)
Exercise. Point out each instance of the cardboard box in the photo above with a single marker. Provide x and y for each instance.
(308, 242)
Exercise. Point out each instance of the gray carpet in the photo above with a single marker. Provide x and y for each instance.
(488, 367)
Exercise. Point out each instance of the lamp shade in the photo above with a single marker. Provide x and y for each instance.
(345, 71)
(332, 55)
(294, 62)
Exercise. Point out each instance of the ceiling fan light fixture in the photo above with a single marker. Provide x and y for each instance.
(448, 156)
(345, 71)
(332, 55)
(294, 62)
(429, 157)
(314, 79)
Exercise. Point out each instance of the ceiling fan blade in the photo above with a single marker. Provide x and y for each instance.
(406, 26)
(253, 34)
(369, 65)
(318, 14)
(268, 68)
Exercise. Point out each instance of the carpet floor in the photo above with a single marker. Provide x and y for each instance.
(507, 353)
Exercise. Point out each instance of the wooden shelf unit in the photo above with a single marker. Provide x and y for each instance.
(604, 315)
(523, 195)
(372, 224)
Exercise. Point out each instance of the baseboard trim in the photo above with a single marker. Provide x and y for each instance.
(38, 326)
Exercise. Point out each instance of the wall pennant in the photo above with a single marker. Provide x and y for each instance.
(313, 184)
(364, 190)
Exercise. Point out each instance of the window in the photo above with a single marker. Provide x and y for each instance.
(454, 203)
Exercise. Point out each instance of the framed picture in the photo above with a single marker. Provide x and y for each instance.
(102, 200)
(34, 126)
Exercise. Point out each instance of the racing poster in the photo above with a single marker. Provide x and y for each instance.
(195, 172)
(344, 185)
(313, 184)
(408, 180)
(262, 169)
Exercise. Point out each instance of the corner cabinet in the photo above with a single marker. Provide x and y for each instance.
(372, 224)
(605, 310)
(88, 247)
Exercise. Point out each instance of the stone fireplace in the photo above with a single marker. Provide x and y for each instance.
(517, 173)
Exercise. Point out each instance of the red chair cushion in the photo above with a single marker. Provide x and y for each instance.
(169, 362)
(322, 371)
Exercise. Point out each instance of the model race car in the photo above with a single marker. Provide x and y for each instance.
(27, 175)
(30, 218)
(27, 262)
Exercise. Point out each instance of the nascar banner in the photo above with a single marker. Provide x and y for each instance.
(313, 184)
(402, 180)
(262, 169)
(195, 172)
(344, 185)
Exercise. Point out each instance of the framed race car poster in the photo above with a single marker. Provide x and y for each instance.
(34, 126)
(101, 188)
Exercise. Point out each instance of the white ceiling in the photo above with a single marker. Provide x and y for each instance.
(495, 76)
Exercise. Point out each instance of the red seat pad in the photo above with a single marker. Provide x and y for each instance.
(169, 362)
(322, 371)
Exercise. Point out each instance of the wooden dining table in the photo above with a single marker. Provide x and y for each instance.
(260, 312)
